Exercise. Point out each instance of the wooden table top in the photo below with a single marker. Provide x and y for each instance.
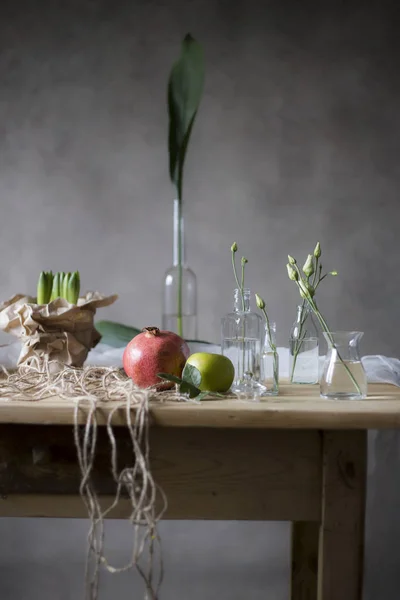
(297, 407)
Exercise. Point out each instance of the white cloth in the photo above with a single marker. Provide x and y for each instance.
(379, 369)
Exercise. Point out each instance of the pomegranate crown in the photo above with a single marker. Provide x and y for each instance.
(151, 331)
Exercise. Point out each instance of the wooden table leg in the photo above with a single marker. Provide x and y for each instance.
(341, 540)
(304, 561)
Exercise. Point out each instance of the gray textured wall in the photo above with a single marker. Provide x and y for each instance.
(297, 140)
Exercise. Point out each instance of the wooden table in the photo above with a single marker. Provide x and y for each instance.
(294, 458)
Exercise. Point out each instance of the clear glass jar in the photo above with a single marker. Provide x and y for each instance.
(179, 312)
(343, 375)
(270, 362)
(304, 348)
(242, 336)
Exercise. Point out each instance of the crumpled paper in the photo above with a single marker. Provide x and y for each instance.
(58, 331)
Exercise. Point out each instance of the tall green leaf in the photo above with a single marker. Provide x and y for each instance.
(185, 88)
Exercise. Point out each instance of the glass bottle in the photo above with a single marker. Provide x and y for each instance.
(303, 348)
(179, 312)
(270, 362)
(343, 375)
(242, 335)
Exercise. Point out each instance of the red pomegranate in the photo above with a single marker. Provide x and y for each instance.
(154, 351)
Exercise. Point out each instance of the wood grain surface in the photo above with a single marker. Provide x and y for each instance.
(341, 542)
(205, 473)
(297, 407)
(304, 570)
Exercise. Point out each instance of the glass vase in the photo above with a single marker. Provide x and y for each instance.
(343, 375)
(270, 362)
(303, 348)
(179, 313)
(241, 339)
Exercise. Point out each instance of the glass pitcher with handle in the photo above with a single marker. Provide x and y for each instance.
(343, 374)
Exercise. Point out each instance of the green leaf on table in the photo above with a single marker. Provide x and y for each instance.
(119, 335)
(115, 334)
(185, 87)
(202, 395)
(188, 388)
(169, 377)
(185, 387)
(191, 375)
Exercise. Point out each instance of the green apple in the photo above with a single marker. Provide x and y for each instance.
(217, 371)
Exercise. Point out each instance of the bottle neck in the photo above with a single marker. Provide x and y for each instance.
(179, 235)
(270, 339)
(241, 303)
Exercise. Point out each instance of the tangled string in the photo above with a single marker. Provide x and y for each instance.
(88, 388)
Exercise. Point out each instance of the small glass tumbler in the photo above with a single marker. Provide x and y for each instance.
(343, 376)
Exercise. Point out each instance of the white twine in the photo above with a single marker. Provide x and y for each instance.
(88, 387)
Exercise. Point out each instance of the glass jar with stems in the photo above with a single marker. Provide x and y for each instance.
(304, 347)
(269, 354)
(343, 376)
(270, 362)
(241, 338)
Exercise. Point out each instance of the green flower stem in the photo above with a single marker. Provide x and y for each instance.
(316, 272)
(327, 331)
(320, 279)
(295, 266)
(244, 321)
(325, 327)
(179, 299)
(240, 288)
(271, 343)
(307, 290)
(242, 280)
(298, 342)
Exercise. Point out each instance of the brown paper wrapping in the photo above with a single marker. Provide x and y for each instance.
(58, 331)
